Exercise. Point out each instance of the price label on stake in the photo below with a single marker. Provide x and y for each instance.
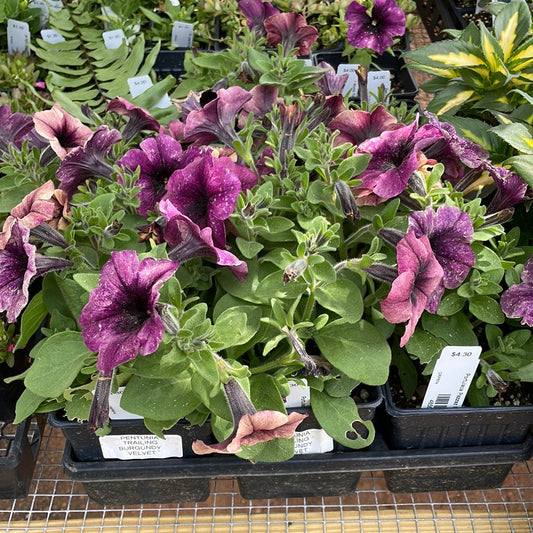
(113, 38)
(352, 83)
(115, 411)
(141, 446)
(452, 376)
(18, 36)
(378, 79)
(52, 36)
(139, 84)
(299, 395)
(182, 34)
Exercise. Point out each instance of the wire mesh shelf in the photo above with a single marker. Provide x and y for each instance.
(57, 504)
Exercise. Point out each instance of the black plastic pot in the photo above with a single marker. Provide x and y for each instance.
(457, 426)
(170, 62)
(178, 480)
(18, 463)
(86, 445)
(401, 76)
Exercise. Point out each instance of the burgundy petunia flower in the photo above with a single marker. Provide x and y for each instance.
(17, 268)
(517, 301)
(356, 126)
(256, 11)
(331, 83)
(250, 426)
(15, 128)
(450, 233)
(511, 188)
(452, 150)
(158, 157)
(395, 156)
(186, 240)
(291, 31)
(376, 30)
(87, 161)
(120, 321)
(206, 191)
(216, 120)
(62, 130)
(419, 275)
(139, 118)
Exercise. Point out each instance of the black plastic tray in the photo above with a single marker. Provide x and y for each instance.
(458, 426)
(115, 482)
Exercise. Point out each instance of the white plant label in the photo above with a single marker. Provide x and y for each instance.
(141, 446)
(182, 34)
(452, 376)
(113, 38)
(299, 395)
(55, 5)
(139, 84)
(307, 62)
(18, 36)
(52, 36)
(43, 17)
(312, 441)
(175, 3)
(115, 411)
(375, 80)
(352, 83)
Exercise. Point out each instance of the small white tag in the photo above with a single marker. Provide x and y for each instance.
(452, 376)
(175, 3)
(377, 78)
(352, 83)
(113, 38)
(52, 36)
(312, 441)
(115, 411)
(18, 36)
(299, 395)
(307, 62)
(43, 17)
(139, 84)
(182, 34)
(141, 446)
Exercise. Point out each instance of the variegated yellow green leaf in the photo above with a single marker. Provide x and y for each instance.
(522, 59)
(508, 37)
(492, 52)
(459, 98)
(457, 59)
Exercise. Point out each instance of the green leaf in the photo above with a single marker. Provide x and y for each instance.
(523, 166)
(519, 136)
(486, 309)
(27, 404)
(450, 304)
(343, 297)
(358, 350)
(88, 281)
(57, 362)
(31, 320)
(63, 295)
(237, 325)
(249, 249)
(340, 419)
(455, 330)
(424, 346)
(353, 166)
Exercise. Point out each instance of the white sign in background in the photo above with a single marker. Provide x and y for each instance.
(18, 36)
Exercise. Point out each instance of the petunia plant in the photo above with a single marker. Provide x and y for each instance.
(270, 236)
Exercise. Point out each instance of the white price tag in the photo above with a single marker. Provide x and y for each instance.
(452, 376)
(115, 411)
(43, 17)
(299, 395)
(312, 441)
(175, 3)
(307, 62)
(352, 83)
(52, 36)
(113, 39)
(139, 84)
(182, 34)
(18, 36)
(141, 446)
(375, 80)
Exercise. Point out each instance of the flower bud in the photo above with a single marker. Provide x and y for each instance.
(496, 381)
(382, 272)
(347, 200)
(112, 230)
(171, 323)
(294, 270)
(391, 235)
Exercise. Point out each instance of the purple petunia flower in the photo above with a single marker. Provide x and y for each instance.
(139, 118)
(511, 188)
(377, 30)
(120, 321)
(216, 120)
(87, 161)
(62, 130)
(395, 156)
(331, 83)
(517, 301)
(17, 268)
(186, 240)
(419, 275)
(450, 233)
(356, 126)
(256, 11)
(15, 128)
(158, 157)
(452, 150)
(292, 32)
(206, 191)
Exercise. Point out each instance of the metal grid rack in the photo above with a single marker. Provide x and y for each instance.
(57, 505)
